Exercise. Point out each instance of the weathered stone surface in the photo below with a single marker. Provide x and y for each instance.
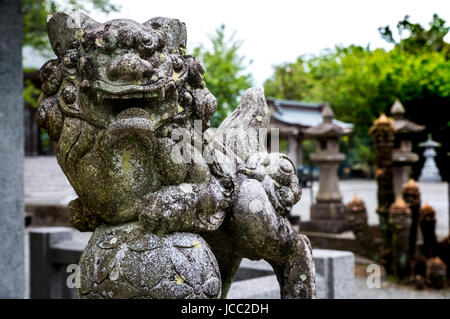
(382, 132)
(129, 112)
(338, 269)
(12, 267)
(128, 262)
(400, 222)
(356, 215)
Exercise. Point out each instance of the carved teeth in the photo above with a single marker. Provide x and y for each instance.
(161, 94)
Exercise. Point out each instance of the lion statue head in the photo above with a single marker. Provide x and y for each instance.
(110, 101)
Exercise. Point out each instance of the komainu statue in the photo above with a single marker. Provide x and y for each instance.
(174, 206)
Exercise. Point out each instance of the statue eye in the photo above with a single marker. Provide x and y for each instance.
(147, 40)
(286, 166)
(149, 43)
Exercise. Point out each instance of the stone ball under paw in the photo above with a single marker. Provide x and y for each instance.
(127, 262)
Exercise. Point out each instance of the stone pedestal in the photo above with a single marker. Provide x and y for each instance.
(11, 152)
(326, 217)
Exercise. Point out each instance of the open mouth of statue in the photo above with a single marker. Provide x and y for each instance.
(132, 106)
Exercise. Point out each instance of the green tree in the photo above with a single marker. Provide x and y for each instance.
(35, 12)
(417, 38)
(34, 19)
(225, 73)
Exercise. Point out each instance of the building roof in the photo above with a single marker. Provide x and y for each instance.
(301, 113)
(405, 126)
(400, 124)
(327, 128)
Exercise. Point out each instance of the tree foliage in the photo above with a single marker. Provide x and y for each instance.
(225, 73)
(361, 83)
(35, 12)
(418, 39)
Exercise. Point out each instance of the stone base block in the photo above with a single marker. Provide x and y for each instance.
(325, 226)
(335, 211)
(338, 269)
(326, 218)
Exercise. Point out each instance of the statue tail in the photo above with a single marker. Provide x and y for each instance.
(244, 131)
(241, 134)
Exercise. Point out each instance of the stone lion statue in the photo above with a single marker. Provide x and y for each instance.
(174, 205)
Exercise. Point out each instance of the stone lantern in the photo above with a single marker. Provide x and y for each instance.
(430, 171)
(328, 213)
(402, 156)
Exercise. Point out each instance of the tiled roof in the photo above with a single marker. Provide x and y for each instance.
(301, 113)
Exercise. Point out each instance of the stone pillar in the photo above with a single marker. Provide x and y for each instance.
(427, 220)
(436, 275)
(358, 222)
(383, 134)
(299, 153)
(400, 175)
(47, 279)
(11, 152)
(292, 149)
(411, 194)
(400, 221)
(328, 183)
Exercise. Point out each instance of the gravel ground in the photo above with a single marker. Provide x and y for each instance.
(389, 290)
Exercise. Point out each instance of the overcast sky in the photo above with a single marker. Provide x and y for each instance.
(279, 31)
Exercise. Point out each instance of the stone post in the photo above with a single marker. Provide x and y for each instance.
(11, 152)
(292, 149)
(427, 220)
(411, 194)
(436, 275)
(46, 277)
(357, 220)
(400, 221)
(383, 134)
(299, 153)
(444, 253)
